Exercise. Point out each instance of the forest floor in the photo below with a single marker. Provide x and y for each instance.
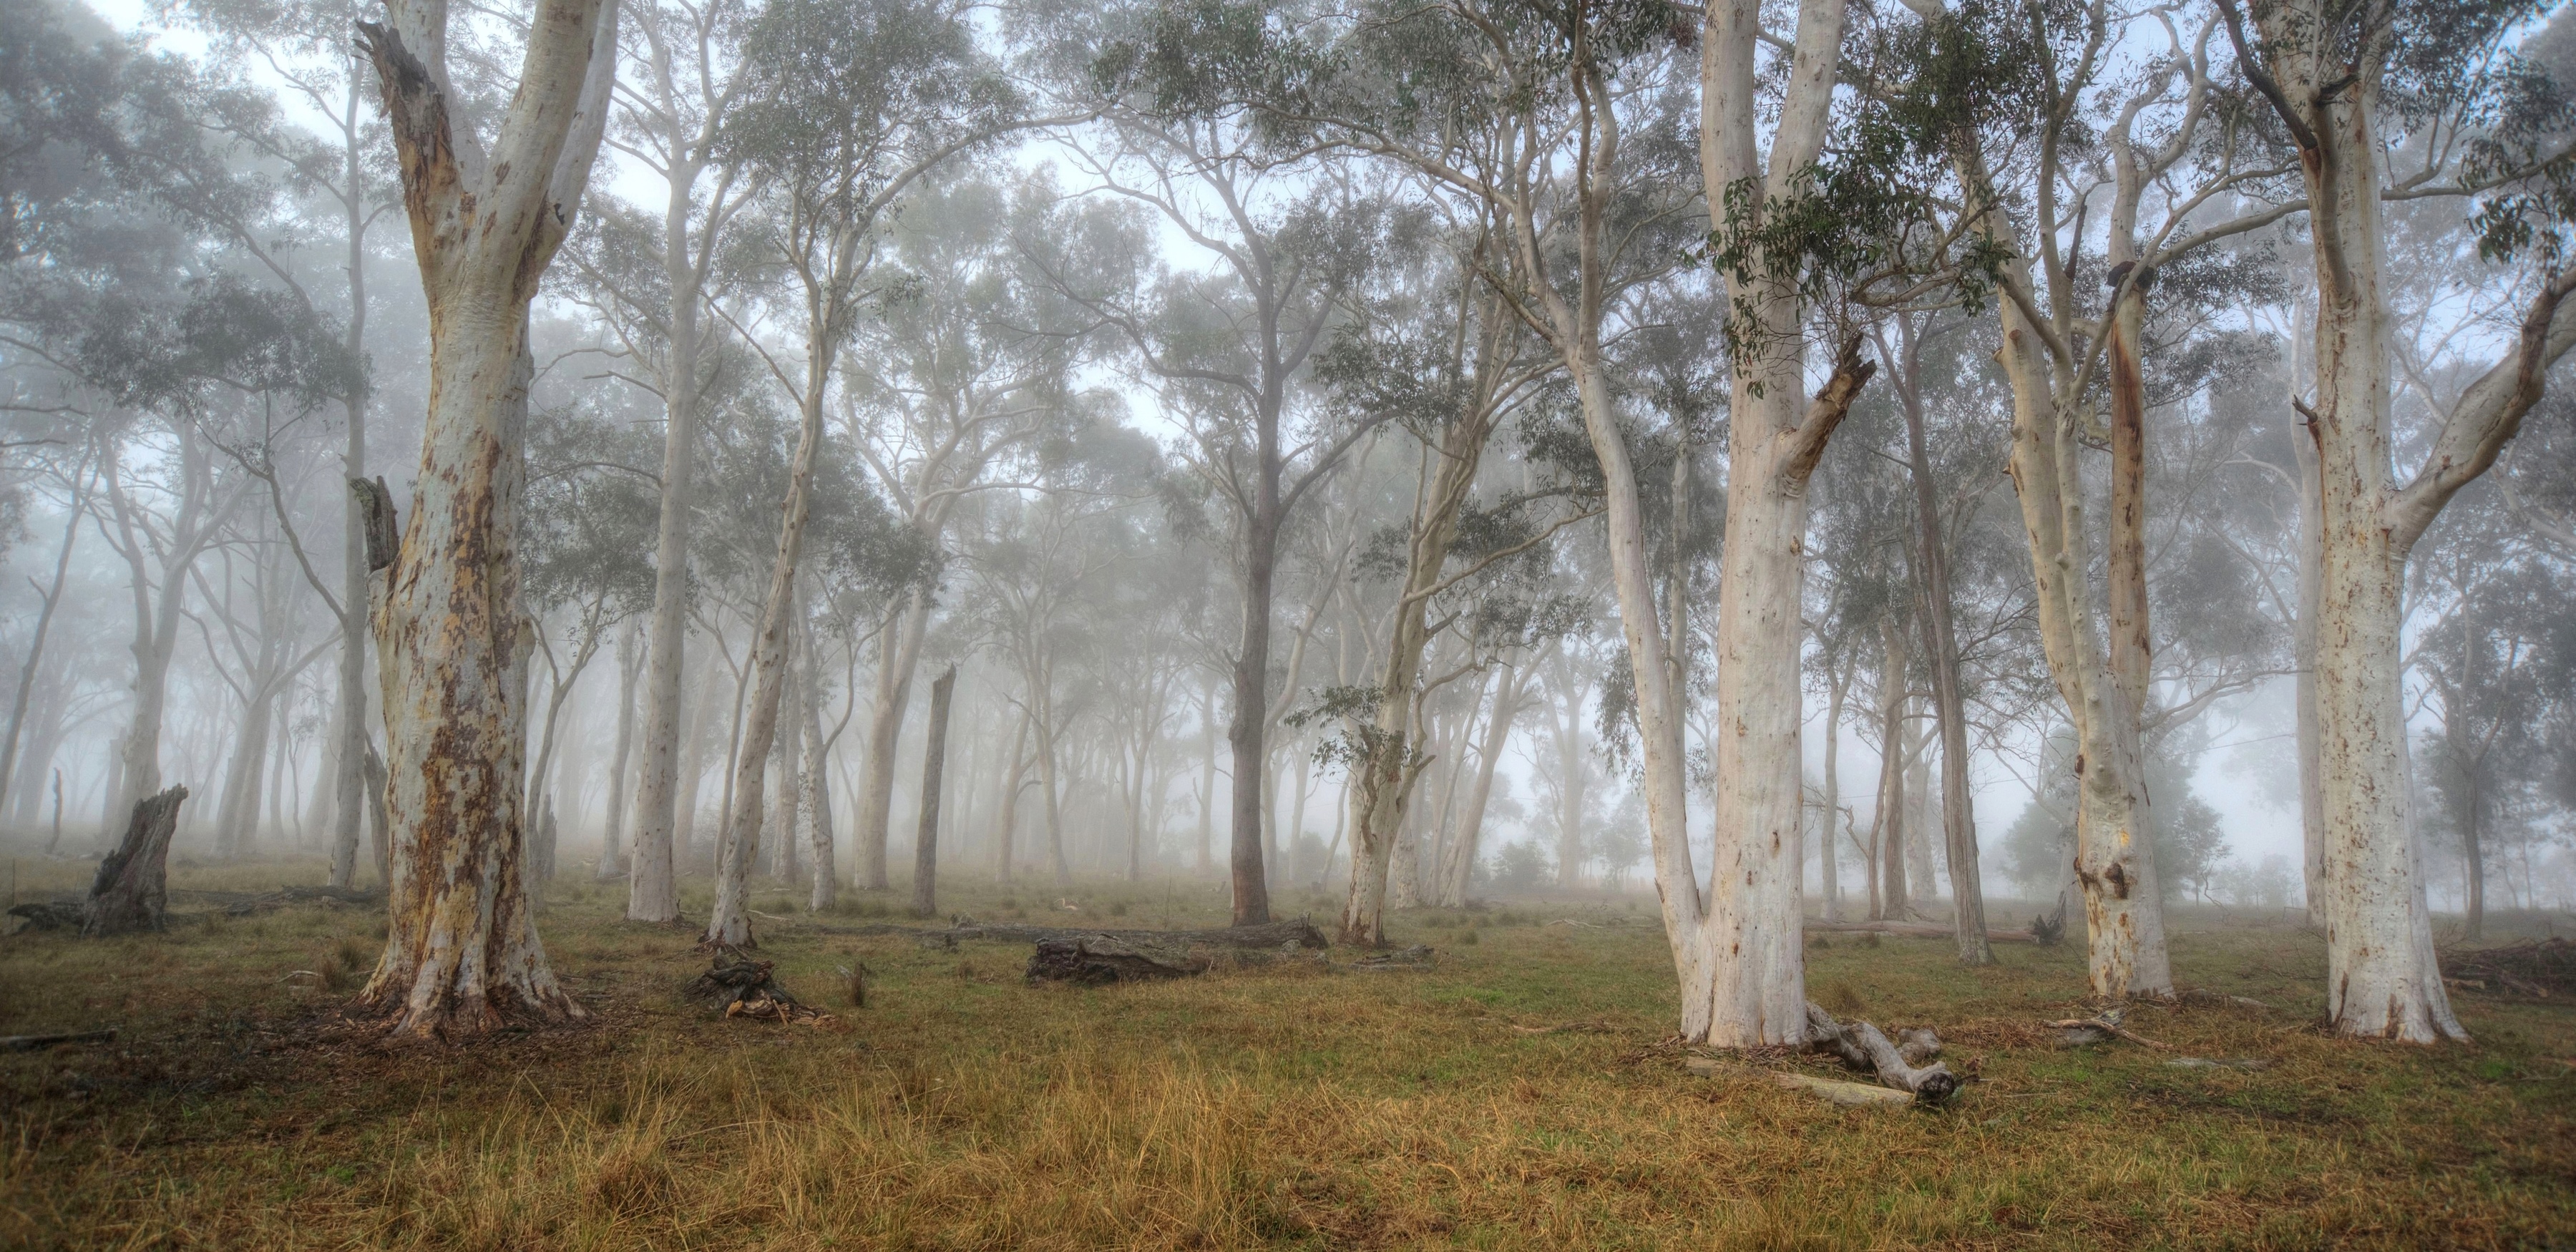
(1516, 1095)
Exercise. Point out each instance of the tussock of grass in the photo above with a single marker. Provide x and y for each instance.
(1260, 1106)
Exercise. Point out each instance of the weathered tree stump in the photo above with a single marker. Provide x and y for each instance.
(133, 887)
(1099, 959)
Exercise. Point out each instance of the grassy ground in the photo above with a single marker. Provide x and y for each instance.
(1273, 1107)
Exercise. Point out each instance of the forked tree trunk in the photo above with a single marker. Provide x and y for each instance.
(131, 891)
(461, 952)
(934, 759)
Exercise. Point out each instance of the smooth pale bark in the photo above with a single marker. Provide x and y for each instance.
(1390, 760)
(2312, 795)
(461, 953)
(898, 652)
(818, 792)
(630, 665)
(354, 742)
(2382, 976)
(653, 885)
(934, 758)
(2124, 914)
(730, 923)
(789, 754)
(1751, 989)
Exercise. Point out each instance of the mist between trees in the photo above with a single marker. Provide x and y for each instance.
(1413, 451)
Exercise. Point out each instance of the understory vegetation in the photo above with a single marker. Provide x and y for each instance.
(1522, 1093)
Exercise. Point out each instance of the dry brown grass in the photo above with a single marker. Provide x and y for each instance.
(1252, 1108)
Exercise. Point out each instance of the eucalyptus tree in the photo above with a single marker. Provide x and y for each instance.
(650, 281)
(864, 99)
(585, 530)
(2015, 98)
(1570, 124)
(955, 383)
(304, 45)
(461, 950)
(2359, 91)
(1444, 358)
(1229, 349)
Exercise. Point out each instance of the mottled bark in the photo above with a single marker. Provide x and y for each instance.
(461, 953)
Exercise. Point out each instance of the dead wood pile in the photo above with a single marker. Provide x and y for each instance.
(2541, 969)
(743, 987)
(1906, 1066)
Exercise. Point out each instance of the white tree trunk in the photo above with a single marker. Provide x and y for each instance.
(461, 952)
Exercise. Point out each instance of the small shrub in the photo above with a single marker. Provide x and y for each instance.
(1467, 936)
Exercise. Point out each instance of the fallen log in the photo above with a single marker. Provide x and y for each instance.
(49, 914)
(1917, 930)
(132, 891)
(30, 1043)
(1863, 1046)
(1831, 1090)
(1099, 959)
(2079, 1032)
(1417, 957)
(1847, 1094)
